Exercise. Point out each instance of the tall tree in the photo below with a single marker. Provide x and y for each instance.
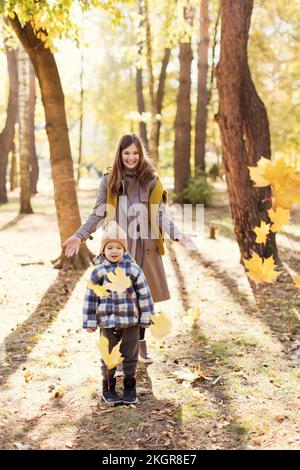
(80, 116)
(57, 131)
(23, 69)
(7, 134)
(139, 81)
(202, 97)
(34, 164)
(182, 144)
(153, 108)
(244, 127)
(13, 168)
(161, 88)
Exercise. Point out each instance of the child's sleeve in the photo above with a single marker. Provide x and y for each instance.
(90, 304)
(144, 298)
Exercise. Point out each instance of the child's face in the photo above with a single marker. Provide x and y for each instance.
(130, 157)
(113, 251)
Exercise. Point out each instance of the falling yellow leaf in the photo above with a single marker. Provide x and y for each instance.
(162, 326)
(262, 232)
(27, 376)
(297, 281)
(119, 281)
(113, 358)
(257, 173)
(283, 178)
(101, 291)
(279, 217)
(192, 315)
(261, 270)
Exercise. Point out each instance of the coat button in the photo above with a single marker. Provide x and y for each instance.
(148, 251)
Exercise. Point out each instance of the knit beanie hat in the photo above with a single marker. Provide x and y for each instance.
(113, 233)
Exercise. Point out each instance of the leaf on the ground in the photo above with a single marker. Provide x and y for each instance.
(21, 446)
(101, 291)
(113, 358)
(118, 281)
(59, 393)
(27, 376)
(192, 315)
(188, 375)
(162, 325)
(261, 269)
(279, 217)
(35, 339)
(297, 281)
(262, 232)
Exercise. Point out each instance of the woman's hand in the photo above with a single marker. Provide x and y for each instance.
(72, 245)
(186, 240)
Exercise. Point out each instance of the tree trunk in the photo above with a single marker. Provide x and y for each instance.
(66, 203)
(244, 127)
(161, 89)
(153, 109)
(34, 165)
(139, 86)
(202, 98)
(24, 63)
(7, 135)
(80, 118)
(13, 168)
(182, 145)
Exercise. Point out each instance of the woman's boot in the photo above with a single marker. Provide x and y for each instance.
(143, 353)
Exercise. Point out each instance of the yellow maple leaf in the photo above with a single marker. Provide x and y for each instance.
(271, 173)
(297, 281)
(257, 173)
(101, 291)
(192, 315)
(119, 281)
(27, 376)
(261, 270)
(113, 358)
(262, 232)
(279, 172)
(162, 325)
(279, 217)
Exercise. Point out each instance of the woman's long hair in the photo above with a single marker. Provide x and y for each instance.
(145, 169)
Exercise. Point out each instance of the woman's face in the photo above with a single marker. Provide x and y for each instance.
(130, 157)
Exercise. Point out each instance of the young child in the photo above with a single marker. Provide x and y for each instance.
(119, 315)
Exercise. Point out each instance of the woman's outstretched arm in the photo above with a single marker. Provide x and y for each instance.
(95, 220)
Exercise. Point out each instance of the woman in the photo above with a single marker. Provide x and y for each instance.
(133, 176)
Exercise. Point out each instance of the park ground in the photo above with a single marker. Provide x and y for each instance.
(245, 346)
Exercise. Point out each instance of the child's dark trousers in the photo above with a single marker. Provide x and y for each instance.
(129, 348)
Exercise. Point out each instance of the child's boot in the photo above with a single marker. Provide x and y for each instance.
(129, 397)
(143, 353)
(109, 394)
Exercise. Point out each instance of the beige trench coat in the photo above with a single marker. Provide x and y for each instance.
(152, 263)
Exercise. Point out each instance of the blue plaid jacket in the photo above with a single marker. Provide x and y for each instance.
(120, 310)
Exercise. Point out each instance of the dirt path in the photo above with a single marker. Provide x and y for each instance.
(49, 371)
